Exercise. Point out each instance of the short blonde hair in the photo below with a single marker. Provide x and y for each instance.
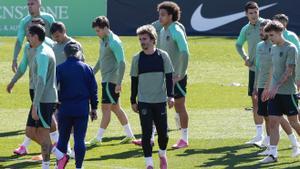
(149, 30)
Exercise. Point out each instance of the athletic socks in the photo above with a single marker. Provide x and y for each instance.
(267, 142)
(69, 149)
(26, 142)
(273, 150)
(259, 130)
(127, 130)
(58, 154)
(162, 153)
(293, 140)
(153, 133)
(149, 161)
(184, 134)
(54, 136)
(46, 165)
(100, 134)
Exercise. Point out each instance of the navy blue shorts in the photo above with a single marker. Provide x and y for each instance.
(283, 104)
(262, 106)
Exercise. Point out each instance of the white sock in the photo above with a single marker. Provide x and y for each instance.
(26, 142)
(54, 136)
(184, 134)
(100, 134)
(69, 150)
(259, 130)
(149, 161)
(58, 154)
(162, 153)
(268, 140)
(127, 130)
(46, 165)
(153, 133)
(273, 150)
(293, 140)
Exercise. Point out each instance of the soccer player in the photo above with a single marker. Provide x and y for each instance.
(282, 92)
(287, 34)
(78, 88)
(28, 57)
(262, 74)
(34, 12)
(158, 26)
(153, 66)
(111, 62)
(293, 38)
(59, 34)
(250, 33)
(45, 93)
(173, 41)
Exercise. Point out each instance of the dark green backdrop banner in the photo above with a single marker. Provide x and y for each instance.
(76, 14)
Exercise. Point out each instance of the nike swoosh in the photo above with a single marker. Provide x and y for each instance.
(200, 23)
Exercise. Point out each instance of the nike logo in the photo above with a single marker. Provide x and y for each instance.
(201, 24)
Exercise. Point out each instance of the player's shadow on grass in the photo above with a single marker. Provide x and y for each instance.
(12, 133)
(271, 165)
(109, 139)
(231, 158)
(14, 157)
(21, 162)
(25, 164)
(135, 153)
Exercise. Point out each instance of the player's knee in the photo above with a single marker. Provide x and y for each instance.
(116, 109)
(30, 133)
(164, 137)
(146, 136)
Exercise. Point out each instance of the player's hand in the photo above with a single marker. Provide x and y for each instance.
(93, 115)
(176, 79)
(118, 89)
(273, 91)
(14, 66)
(247, 62)
(255, 92)
(34, 113)
(10, 87)
(265, 95)
(134, 107)
(171, 102)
